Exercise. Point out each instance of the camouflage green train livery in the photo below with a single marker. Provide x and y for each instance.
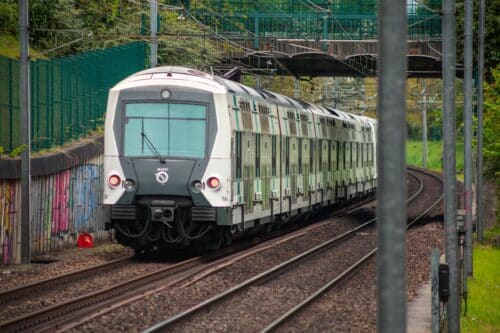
(195, 160)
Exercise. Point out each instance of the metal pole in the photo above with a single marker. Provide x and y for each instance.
(468, 140)
(424, 127)
(450, 182)
(296, 91)
(24, 102)
(391, 210)
(479, 189)
(435, 291)
(153, 16)
(256, 31)
(257, 82)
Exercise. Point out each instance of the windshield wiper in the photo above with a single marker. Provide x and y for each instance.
(152, 147)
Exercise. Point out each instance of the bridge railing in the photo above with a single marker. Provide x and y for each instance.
(310, 19)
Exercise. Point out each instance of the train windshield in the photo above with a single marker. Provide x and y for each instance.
(172, 129)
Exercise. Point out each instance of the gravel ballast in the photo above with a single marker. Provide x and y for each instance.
(260, 304)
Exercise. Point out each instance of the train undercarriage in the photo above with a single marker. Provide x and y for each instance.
(168, 225)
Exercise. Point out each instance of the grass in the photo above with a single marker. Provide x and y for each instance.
(483, 313)
(9, 47)
(434, 152)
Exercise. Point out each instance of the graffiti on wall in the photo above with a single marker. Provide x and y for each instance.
(8, 191)
(62, 204)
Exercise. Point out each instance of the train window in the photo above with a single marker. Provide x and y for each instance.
(166, 129)
(238, 155)
(369, 154)
(362, 154)
(373, 159)
(320, 155)
(357, 154)
(273, 155)
(287, 155)
(292, 123)
(305, 129)
(257, 155)
(311, 155)
(344, 155)
(300, 155)
(350, 155)
(338, 155)
(329, 155)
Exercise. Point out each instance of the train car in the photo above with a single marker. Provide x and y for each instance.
(195, 160)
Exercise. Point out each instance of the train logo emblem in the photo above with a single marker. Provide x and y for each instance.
(161, 177)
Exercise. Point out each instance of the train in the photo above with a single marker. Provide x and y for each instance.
(193, 160)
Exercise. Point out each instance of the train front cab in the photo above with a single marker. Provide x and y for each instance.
(166, 163)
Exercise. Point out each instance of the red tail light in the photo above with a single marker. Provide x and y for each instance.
(213, 183)
(114, 180)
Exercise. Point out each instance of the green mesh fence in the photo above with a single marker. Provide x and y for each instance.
(68, 94)
(309, 19)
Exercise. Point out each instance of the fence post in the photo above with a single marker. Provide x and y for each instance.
(435, 313)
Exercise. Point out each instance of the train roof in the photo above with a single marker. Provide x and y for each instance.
(178, 72)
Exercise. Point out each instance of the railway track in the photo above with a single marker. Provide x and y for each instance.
(339, 278)
(288, 265)
(38, 287)
(72, 312)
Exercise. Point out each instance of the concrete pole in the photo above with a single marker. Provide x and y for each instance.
(479, 189)
(391, 196)
(24, 102)
(468, 140)
(450, 182)
(153, 24)
(258, 82)
(424, 127)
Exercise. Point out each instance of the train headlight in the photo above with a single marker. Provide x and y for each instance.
(166, 94)
(213, 183)
(129, 184)
(114, 180)
(197, 186)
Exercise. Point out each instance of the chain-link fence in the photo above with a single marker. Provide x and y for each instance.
(68, 94)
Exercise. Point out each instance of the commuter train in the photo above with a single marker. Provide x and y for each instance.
(193, 160)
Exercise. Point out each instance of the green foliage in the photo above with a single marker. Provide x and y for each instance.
(88, 25)
(8, 17)
(483, 307)
(434, 153)
(1, 150)
(491, 148)
(17, 151)
(182, 42)
(491, 30)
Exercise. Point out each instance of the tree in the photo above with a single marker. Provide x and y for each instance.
(491, 148)
(491, 31)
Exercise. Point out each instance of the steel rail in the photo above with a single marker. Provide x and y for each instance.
(37, 287)
(218, 265)
(161, 326)
(339, 278)
(41, 317)
(62, 313)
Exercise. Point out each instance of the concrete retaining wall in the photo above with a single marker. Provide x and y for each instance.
(64, 203)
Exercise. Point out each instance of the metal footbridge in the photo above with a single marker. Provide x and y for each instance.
(314, 37)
